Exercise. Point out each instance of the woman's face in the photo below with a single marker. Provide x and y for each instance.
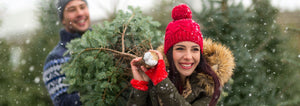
(186, 56)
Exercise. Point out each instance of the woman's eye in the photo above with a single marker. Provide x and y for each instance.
(179, 49)
(196, 49)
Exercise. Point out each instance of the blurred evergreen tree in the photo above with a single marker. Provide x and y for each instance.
(162, 12)
(254, 37)
(29, 89)
(6, 81)
(291, 56)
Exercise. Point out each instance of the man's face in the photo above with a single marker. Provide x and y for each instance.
(76, 17)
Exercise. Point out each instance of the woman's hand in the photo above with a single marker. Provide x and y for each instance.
(138, 71)
(157, 73)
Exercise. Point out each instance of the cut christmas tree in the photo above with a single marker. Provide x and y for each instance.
(99, 68)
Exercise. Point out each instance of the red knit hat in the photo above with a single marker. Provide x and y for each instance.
(182, 28)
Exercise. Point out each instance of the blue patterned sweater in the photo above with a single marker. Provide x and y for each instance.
(52, 76)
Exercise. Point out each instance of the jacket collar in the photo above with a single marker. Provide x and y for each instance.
(66, 37)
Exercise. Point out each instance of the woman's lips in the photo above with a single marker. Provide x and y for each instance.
(186, 65)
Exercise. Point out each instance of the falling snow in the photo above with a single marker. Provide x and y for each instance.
(265, 23)
(36, 79)
(31, 68)
(23, 62)
(171, 95)
(27, 41)
(57, 23)
(285, 30)
(273, 50)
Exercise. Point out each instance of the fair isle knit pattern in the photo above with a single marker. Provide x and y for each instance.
(52, 75)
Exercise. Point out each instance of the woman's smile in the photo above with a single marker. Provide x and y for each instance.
(186, 56)
(186, 65)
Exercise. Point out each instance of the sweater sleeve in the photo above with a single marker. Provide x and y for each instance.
(66, 99)
(53, 79)
(169, 96)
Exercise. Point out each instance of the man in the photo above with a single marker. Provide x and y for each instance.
(74, 15)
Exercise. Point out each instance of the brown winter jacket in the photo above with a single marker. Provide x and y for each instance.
(165, 93)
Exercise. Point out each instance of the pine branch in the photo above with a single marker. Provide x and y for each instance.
(124, 31)
(97, 54)
(261, 47)
(140, 63)
(122, 91)
(103, 95)
(224, 5)
(151, 47)
(106, 49)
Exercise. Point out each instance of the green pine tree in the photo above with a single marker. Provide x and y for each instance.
(99, 67)
(6, 74)
(29, 88)
(254, 37)
(291, 56)
(162, 12)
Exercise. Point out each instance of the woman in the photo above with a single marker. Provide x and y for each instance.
(189, 79)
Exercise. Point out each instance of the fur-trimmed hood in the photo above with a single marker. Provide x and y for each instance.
(221, 60)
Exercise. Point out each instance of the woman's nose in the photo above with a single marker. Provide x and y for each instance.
(188, 55)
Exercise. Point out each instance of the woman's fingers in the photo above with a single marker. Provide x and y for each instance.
(138, 71)
(133, 61)
(160, 56)
(144, 69)
(145, 76)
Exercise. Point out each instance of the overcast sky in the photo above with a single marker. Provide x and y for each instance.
(18, 16)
